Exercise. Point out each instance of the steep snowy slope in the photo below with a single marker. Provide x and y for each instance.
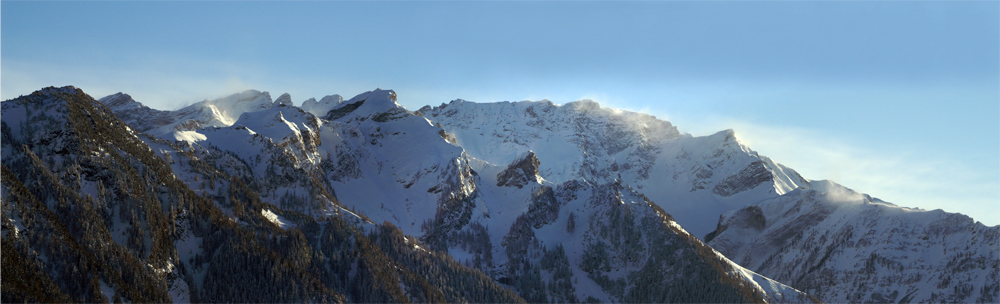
(272, 146)
(281, 136)
(694, 178)
(393, 165)
(411, 173)
(183, 123)
(842, 246)
(377, 157)
(576, 241)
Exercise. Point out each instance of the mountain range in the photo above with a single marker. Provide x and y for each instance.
(249, 199)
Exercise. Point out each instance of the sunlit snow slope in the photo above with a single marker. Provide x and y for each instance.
(693, 178)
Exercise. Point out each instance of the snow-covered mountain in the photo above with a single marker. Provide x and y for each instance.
(585, 242)
(694, 178)
(184, 123)
(393, 165)
(272, 144)
(557, 203)
(810, 234)
(93, 211)
(843, 246)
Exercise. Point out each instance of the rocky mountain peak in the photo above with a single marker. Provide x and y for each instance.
(324, 105)
(284, 99)
(47, 102)
(119, 100)
(331, 99)
(521, 171)
(59, 90)
(584, 105)
(366, 105)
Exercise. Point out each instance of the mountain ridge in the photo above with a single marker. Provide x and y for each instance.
(102, 215)
(365, 133)
(560, 203)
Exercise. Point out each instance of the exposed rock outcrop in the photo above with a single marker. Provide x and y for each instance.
(748, 178)
(522, 170)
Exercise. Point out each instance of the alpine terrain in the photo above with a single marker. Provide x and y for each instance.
(252, 199)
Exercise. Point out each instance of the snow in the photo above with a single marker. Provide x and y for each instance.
(189, 136)
(323, 106)
(188, 246)
(119, 231)
(18, 226)
(570, 139)
(278, 123)
(169, 267)
(222, 112)
(179, 291)
(864, 238)
(274, 218)
(231, 106)
(392, 185)
(107, 290)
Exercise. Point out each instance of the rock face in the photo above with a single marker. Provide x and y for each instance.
(748, 178)
(749, 217)
(137, 115)
(842, 246)
(284, 100)
(628, 247)
(522, 170)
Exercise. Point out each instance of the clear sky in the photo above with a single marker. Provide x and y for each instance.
(900, 100)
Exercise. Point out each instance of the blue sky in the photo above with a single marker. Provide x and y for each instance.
(900, 100)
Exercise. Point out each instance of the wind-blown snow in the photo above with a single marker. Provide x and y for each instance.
(581, 140)
(321, 107)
